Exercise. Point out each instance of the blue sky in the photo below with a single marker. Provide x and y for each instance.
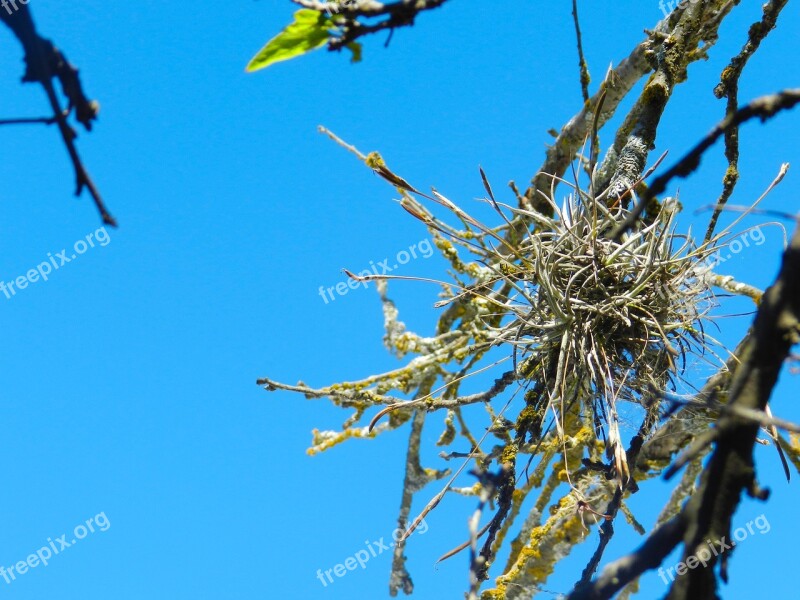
(129, 393)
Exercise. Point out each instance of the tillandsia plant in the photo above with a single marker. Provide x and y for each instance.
(582, 304)
(585, 317)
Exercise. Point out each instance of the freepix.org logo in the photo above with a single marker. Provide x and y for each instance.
(54, 547)
(53, 263)
(422, 249)
(670, 5)
(715, 548)
(361, 558)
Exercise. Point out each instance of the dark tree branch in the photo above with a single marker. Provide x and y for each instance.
(395, 14)
(607, 528)
(707, 515)
(763, 108)
(44, 62)
(649, 555)
(731, 470)
(32, 120)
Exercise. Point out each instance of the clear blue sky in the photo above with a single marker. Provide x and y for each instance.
(128, 386)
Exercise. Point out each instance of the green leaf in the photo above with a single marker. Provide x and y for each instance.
(309, 31)
(355, 48)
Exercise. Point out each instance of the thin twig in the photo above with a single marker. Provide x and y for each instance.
(584, 68)
(32, 120)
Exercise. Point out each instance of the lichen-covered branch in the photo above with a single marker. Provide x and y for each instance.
(588, 306)
(697, 23)
(728, 87)
(680, 32)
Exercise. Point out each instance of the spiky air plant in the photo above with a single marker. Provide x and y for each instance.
(584, 319)
(598, 321)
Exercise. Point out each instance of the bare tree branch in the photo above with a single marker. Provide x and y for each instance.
(44, 62)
